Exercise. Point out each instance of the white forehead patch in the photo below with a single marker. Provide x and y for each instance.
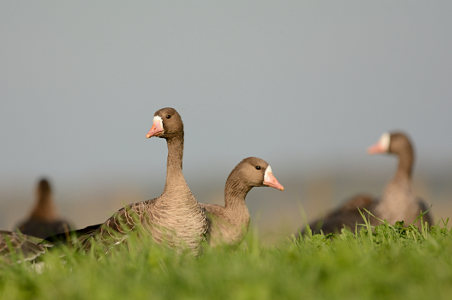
(385, 140)
(158, 119)
(268, 171)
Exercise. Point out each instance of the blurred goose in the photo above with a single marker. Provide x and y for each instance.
(398, 202)
(43, 220)
(175, 217)
(228, 224)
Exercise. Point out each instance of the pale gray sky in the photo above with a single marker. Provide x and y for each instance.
(294, 82)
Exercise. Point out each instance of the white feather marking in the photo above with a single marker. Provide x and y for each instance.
(267, 172)
(385, 141)
(158, 119)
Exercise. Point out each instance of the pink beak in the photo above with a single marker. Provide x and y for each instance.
(155, 130)
(376, 149)
(271, 181)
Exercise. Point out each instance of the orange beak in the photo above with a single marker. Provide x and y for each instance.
(156, 129)
(271, 181)
(376, 149)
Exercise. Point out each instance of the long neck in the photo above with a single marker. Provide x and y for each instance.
(398, 189)
(405, 166)
(44, 209)
(174, 175)
(235, 192)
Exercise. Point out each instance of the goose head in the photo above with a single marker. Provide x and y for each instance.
(391, 143)
(255, 172)
(167, 123)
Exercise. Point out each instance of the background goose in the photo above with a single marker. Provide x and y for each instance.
(175, 217)
(43, 220)
(398, 202)
(228, 224)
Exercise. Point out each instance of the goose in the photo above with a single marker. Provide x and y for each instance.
(398, 202)
(43, 220)
(175, 217)
(228, 224)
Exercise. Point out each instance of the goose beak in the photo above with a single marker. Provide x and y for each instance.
(157, 128)
(376, 149)
(271, 181)
(382, 146)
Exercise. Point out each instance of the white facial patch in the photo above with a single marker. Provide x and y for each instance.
(268, 171)
(159, 120)
(385, 140)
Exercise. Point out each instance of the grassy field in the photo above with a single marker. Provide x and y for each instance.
(392, 262)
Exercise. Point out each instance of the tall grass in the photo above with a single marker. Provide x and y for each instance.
(386, 262)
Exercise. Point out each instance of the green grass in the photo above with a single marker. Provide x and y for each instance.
(391, 262)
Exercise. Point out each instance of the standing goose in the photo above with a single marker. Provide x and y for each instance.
(175, 217)
(228, 224)
(43, 220)
(398, 202)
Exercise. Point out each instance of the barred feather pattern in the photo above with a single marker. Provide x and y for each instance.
(21, 246)
(168, 219)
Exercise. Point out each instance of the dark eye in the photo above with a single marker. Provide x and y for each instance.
(258, 167)
(168, 116)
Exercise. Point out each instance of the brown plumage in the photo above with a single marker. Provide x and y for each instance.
(228, 224)
(21, 246)
(398, 202)
(175, 218)
(43, 220)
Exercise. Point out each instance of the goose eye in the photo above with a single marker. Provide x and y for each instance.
(258, 167)
(168, 116)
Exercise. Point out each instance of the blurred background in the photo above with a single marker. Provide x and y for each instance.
(305, 85)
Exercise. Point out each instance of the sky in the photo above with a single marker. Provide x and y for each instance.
(302, 84)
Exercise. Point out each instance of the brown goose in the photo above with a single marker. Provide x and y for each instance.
(228, 224)
(175, 217)
(398, 202)
(43, 220)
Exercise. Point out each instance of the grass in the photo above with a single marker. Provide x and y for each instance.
(390, 262)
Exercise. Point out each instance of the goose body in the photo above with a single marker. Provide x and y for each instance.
(21, 246)
(398, 202)
(347, 215)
